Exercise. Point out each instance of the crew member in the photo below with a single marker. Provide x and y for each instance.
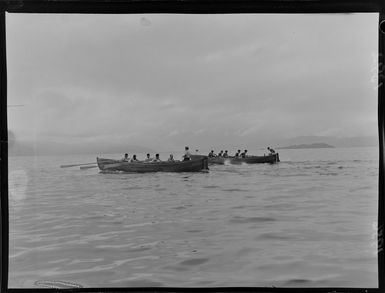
(243, 155)
(187, 154)
(148, 159)
(156, 158)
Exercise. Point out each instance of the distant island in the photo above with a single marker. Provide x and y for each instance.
(338, 142)
(308, 146)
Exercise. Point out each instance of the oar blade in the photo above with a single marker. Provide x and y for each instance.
(87, 167)
(76, 165)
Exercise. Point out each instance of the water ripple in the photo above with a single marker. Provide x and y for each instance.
(242, 220)
(303, 222)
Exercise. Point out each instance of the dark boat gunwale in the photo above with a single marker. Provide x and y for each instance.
(147, 167)
(271, 158)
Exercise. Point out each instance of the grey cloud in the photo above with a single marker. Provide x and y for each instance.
(165, 80)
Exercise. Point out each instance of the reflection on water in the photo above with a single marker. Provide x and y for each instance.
(304, 222)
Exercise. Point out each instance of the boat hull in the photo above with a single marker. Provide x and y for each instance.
(274, 158)
(256, 159)
(143, 167)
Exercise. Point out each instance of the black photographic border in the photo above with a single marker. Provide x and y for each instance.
(190, 7)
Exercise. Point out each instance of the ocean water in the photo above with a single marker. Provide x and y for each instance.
(308, 221)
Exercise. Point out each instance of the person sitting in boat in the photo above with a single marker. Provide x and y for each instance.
(187, 154)
(271, 151)
(237, 153)
(156, 158)
(212, 154)
(125, 158)
(243, 155)
(225, 154)
(220, 154)
(148, 158)
(171, 158)
(134, 159)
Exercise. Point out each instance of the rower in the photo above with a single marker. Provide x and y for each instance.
(171, 158)
(220, 154)
(156, 158)
(148, 159)
(272, 152)
(187, 154)
(125, 158)
(211, 154)
(243, 155)
(225, 155)
(134, 159)
(237, 153)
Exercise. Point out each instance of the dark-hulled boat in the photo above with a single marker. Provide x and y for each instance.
(272, 158)
(196, 165)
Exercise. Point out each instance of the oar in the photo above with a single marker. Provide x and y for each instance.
(87, 167)
(75, 165)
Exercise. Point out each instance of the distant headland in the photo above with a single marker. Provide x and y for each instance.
(308, 146)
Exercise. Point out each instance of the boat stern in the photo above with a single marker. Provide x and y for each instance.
(205, 164)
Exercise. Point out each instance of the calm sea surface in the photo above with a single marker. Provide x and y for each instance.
(308, 221)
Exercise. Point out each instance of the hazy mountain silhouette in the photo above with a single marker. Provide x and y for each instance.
(307, 146)
(20, 147)
(361, 141)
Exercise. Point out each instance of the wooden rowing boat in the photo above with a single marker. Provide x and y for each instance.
(195, 165)
(273, 158)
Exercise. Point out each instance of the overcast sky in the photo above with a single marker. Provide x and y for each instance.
(165, 81)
